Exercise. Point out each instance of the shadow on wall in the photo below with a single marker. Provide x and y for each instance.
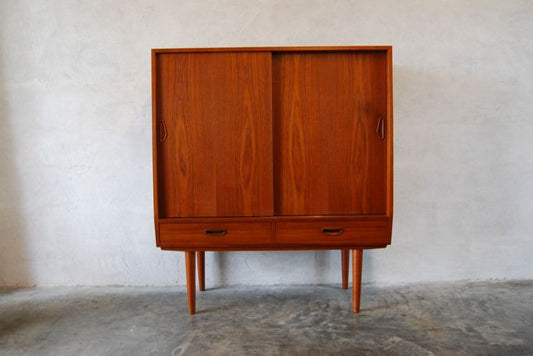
(14, 266)
(221, 263)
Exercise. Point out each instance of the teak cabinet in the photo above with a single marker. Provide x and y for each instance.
(272, 149)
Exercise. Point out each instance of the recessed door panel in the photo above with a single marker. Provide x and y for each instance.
(214, 122)
(330, 132)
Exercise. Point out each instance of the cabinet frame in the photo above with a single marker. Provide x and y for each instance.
(376, 224)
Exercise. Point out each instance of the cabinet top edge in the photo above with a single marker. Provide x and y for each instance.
(273, 49)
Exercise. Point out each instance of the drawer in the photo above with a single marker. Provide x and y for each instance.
(214, 235)
(334, 233)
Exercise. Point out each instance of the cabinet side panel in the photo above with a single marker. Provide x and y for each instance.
(390, 137)
(215, 129)
(329, 156)
(154, 148)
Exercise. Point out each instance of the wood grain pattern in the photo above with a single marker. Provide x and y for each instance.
(328, 157)
(259, 235)
(357, 269)
(353, 233)
(236, 234)
(215, 121)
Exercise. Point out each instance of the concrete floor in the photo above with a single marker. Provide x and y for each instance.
(488, 318)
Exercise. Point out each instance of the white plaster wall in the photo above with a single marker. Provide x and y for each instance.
(75, 159)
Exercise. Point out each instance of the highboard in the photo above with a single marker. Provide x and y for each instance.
(272, 148)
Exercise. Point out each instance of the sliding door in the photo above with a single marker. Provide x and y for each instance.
(330, 132)
(214, 122)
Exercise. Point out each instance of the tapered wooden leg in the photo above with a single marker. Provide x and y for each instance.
(345, 260)
(190, 269)
(357, 267)
(201, 270)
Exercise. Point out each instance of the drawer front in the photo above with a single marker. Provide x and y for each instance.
(334, 233)
(216, 235)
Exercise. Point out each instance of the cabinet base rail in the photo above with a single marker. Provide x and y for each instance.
(196, 259)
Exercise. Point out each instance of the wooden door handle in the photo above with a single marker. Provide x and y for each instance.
(162, 132)
(215, 232)
(332, 231)
(380, 129)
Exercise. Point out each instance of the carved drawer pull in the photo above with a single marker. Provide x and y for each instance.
(215, 232)
(332, 231)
